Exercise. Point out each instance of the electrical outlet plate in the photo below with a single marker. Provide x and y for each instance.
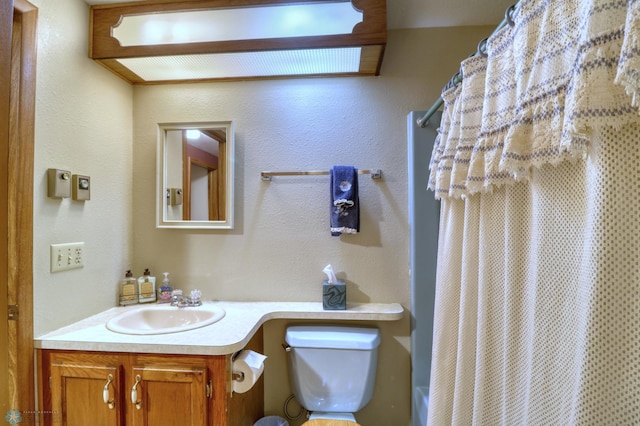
(67, 256)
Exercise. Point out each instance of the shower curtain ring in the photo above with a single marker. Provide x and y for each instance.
(482, 47)
(453, 82)
(508, 15)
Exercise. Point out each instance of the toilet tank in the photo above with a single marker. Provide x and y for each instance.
(332, 368)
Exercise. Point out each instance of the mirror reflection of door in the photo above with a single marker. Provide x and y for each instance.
(204, 156)
(199, 191)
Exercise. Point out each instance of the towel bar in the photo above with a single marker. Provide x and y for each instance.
(375, 173)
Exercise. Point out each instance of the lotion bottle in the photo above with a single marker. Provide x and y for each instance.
(146, 287)
(128, 290)
(164, 292)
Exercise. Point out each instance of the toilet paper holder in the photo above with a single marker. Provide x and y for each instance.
(238, 376)
(246, 369)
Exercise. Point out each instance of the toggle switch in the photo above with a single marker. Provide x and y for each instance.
(58, 183)
(80, 185)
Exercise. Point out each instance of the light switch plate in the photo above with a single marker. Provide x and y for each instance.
(81, 187)
(67, 256)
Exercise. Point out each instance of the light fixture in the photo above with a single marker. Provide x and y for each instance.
(193, 133)
(162, 42)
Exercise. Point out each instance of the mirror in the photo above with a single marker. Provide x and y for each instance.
(195, 175)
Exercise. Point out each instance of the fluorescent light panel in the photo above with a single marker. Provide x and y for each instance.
(246, 64)
(248, 23)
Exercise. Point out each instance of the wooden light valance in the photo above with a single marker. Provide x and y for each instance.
(369, 37)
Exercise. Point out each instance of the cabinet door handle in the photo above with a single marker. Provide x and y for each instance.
(105, 393)
(134, 393)
(209, 390)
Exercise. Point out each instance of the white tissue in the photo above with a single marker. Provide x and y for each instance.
(251, 365)
(331, 277)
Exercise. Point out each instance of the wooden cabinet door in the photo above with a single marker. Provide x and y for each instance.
(80, 384)
(168, 392)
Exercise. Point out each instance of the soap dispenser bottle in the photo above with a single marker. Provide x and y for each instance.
(146, 287)
(128, 290)
(164, 292)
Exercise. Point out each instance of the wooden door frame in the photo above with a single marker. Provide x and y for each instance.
(217, 178)
(6, 24)
(212, 189)
(18, 42)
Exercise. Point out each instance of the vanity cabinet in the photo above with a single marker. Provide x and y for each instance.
(95, 388)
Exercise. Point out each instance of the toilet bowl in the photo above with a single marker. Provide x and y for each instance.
(332, 370)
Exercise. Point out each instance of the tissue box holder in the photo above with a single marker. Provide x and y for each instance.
(334, 296)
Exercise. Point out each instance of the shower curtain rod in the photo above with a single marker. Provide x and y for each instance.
(457, 77)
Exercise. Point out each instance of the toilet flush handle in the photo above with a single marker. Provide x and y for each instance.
(286, 347)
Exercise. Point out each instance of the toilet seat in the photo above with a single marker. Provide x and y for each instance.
(320, 415)
(330, 422)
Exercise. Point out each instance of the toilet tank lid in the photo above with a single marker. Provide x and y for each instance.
(332, 337)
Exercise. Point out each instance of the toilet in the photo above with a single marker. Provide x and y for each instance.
(332, 370)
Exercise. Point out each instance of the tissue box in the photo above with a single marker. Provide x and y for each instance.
(334, 296)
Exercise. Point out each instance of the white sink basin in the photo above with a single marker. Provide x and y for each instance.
(162, 319)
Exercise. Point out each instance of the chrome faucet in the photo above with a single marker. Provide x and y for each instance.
(177, 299)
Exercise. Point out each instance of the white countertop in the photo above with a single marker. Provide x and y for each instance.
(230, 334)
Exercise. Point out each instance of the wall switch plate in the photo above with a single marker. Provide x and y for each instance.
(58, 183)
(67, 256)
(81, 187)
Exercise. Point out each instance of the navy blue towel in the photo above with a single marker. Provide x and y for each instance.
(345, 209)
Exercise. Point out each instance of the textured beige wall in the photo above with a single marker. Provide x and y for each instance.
(83, 124)
(281, 240)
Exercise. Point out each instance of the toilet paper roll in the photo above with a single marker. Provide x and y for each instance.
(251, 365)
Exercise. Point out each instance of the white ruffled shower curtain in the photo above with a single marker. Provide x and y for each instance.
(537, 163)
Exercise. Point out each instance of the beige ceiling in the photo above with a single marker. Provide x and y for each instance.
(430, 13)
